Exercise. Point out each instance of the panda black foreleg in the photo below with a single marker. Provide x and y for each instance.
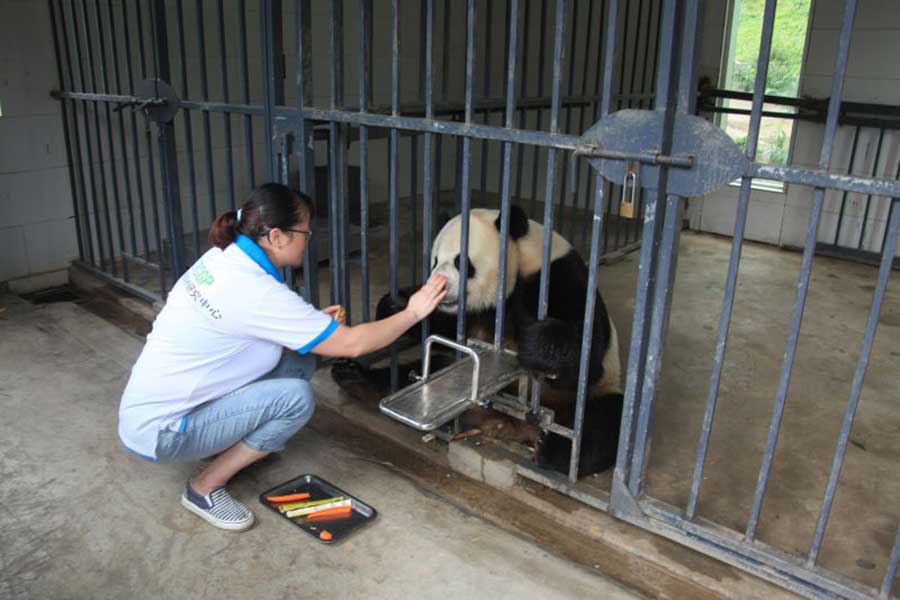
(553, 347)
(599, 439)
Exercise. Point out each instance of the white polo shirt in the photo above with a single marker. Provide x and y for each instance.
(223, 326)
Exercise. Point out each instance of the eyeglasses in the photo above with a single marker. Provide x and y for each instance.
(308, 234)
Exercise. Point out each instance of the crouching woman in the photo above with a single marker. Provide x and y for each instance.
(225, 371)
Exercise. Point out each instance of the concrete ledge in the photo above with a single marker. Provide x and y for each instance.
(40, 281)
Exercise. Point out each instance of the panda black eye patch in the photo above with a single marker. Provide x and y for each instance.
(470, 271)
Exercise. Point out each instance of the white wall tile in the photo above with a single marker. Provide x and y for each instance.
(13, 260)
(50, 245)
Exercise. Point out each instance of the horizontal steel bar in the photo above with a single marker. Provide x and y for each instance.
(821, 178)
(810, 117)
(140, 292)
(140, 261)
(812, 103)
(246, 109)
(286, 119)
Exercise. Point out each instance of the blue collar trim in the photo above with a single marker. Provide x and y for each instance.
(258, 256)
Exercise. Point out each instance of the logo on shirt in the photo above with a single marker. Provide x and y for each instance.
(200, 299)
(201, 274)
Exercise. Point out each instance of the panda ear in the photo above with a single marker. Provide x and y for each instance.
(518, 222)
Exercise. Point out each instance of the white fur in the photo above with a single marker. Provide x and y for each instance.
(523, 257)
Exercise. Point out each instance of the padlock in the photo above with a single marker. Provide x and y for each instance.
(626, 204)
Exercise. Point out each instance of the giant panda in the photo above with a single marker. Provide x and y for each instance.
(551, 346)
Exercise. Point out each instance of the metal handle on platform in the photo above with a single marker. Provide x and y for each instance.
(426, 368)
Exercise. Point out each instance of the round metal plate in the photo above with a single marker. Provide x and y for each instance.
(157, 88)
(717, 159)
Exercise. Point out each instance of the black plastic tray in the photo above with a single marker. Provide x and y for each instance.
(319, 489)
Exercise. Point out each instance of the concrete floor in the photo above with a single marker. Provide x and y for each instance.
(81, 518)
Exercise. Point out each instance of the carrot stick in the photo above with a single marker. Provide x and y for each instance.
(342, 512)
(288, 498)
(286, 506)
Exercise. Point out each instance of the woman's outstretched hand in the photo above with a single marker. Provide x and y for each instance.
(424, 301)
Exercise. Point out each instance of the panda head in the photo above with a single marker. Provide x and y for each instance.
(483, 257)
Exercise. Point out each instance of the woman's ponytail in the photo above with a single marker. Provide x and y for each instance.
(224, 230)
(270, 205)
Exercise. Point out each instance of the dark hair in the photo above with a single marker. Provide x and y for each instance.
(270, 205)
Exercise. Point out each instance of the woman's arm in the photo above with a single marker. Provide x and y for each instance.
(369, 337)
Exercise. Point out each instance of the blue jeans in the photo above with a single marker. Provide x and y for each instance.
(263, 414)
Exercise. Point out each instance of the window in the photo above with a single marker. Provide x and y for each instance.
(739, 69)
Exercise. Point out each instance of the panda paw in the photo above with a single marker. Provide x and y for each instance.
(548, 347)
(387, 306)
(346, 372)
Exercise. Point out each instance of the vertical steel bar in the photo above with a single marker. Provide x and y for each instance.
(512, 52)
(570, 89)
(891, 572)
(837, 229)
(119, 90)
(204, 91)
(335, 28)
(226, 116)
(393, 248)
(884, 272)
(542, 44)
(543, 293)
(601, 61)
(588, 331)
(413, 204)
(113, 179)
(306, 163)
(245, 87)
(148, 139)
(168, 152)
(634, 53)
(486, 92)
(428, 93)
(273, 84)
(465, 190)
(445, 52)
(102, 183)
(136, 149)
(762, 67)
(73, 155)
(622, 70)
(188, 131)
(582, 110)
(364, 50)
(865, 219)
(651, 56)
(523, 90)
(806, 267)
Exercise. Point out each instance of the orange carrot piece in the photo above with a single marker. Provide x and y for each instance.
(341, 512)
(288, 498)
(325, 535)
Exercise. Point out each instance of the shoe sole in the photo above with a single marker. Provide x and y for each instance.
(214, 521)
